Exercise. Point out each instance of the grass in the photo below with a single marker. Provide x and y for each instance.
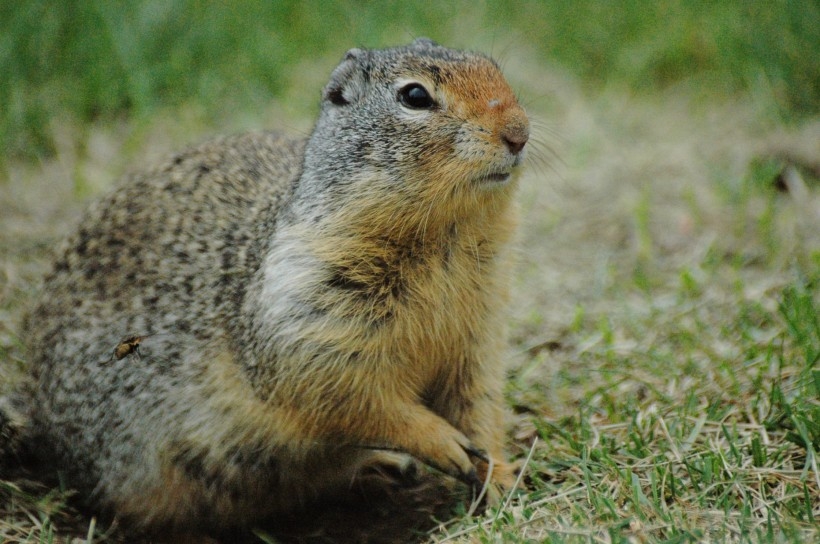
(664, 372)
(695, 418)
(687, 435)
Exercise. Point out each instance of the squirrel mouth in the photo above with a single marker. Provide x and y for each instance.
(494, 178)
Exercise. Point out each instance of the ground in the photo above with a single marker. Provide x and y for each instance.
(664, 336)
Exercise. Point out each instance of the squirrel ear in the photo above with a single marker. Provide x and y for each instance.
(424, 43)
(348, 80)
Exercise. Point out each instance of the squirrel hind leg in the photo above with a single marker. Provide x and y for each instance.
(392, 497)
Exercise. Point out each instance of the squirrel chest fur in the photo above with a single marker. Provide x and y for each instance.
(302, 306)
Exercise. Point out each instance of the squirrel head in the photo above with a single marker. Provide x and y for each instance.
(421, 122)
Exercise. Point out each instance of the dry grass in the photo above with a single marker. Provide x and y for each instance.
(662, 334)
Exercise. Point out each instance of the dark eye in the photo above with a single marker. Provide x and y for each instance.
(416, 97)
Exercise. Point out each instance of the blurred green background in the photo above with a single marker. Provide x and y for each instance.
(97, 61)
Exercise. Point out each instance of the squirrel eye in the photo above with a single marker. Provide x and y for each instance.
(416, 97)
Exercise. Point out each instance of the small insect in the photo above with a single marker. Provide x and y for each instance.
(129, 345)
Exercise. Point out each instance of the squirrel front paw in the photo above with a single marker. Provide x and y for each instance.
(441, 446)
(455, 458)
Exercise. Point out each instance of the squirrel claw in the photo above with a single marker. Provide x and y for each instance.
(476, 452)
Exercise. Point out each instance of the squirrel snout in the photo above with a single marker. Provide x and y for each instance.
(515, 136)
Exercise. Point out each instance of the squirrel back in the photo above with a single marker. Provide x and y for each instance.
(302, 306)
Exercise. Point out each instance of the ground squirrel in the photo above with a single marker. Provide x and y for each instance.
(303, 306)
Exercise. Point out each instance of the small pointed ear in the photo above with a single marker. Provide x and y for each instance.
(348, 81)
(422, 43)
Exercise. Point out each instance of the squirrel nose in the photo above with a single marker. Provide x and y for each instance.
(515, 136)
